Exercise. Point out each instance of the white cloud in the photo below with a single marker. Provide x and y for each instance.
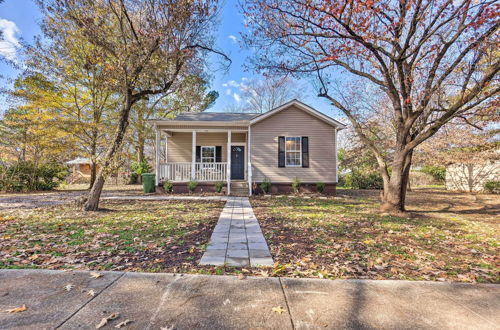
(9, 43)
(237, 98)
(233, 83)
(233, 38)
(228, 91)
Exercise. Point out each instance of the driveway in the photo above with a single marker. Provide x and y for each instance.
(69, 300)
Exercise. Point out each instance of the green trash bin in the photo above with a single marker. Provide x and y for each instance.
(148, 182)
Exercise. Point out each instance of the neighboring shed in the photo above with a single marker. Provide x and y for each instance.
(471, 177)
(80, 165)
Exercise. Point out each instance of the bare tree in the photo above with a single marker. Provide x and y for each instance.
(435, 60)
(262, 95)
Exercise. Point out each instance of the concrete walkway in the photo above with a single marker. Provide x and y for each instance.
(237, 239)
(167, 301)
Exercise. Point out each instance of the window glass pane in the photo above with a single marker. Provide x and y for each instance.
(292, 151)
(208, 154)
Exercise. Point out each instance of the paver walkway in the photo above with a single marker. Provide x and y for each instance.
(177, 301)
(237, 239)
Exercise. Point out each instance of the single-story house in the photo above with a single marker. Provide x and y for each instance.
(80, 166)
(245, 149)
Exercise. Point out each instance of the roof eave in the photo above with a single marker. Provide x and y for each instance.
(199, 123)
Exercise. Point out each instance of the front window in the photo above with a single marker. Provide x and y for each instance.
(293, 151)
(208, 154)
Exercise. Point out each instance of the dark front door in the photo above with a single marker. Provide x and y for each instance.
(237, 163)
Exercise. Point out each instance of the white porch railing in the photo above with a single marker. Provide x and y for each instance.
(181, 172)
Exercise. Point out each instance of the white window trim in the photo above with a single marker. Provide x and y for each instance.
(299, 151)
(201, 155)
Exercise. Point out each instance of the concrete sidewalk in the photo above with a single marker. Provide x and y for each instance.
(167, 301)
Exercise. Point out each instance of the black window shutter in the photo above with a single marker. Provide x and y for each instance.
(281, 151)
(218, 154)
(305, 151)
(198, 154)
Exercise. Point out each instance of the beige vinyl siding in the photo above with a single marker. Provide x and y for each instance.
(293, 122)
(180, 149)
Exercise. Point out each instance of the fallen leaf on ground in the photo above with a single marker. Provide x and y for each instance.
(91, 293)
(17, 309)
(264, 273)
(241, 276)
(105, 320)
(95, 275)
(278, 309)
(122, 324)
(69, 287)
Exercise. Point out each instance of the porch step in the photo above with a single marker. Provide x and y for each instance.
(239, 188)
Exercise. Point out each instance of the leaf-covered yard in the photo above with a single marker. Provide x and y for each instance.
(154, 236)
(449, 236)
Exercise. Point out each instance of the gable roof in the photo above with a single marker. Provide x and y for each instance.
(301, 106)
(224, 118)
(214, 116)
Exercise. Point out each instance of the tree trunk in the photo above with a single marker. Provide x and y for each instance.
(394, 195)
(92, 203)
(93, 173)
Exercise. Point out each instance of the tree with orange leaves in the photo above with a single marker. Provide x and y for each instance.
(434, 61)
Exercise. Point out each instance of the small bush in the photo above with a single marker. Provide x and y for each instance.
(192, 186)
(218, 186)
(28, 176)
(265, 186)
(438, 173)
(296, 185)
(168, 186)
(358, 180)
(138, 168)
(320, 187)
(493, 187)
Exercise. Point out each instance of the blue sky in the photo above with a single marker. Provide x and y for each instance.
(20, 19)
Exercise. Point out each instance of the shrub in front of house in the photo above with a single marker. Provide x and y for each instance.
(492, 187)
(359, 180)
(168, 186)
(218, 186)
(320, 187)
(265, 186)
(192, 186)
(28, 176)
(296, 185)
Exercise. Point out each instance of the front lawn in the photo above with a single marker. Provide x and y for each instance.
(166, 236)
(449, 236)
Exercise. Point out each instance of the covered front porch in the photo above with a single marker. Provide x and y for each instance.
(204, 155)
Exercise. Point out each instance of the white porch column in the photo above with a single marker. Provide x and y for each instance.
(157, 156)
(249, 167)
(193, 156)
(228, 162)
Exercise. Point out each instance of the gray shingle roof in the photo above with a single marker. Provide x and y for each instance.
(214, 116)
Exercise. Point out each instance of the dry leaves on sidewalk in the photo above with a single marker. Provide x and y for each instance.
(122, 324)
(95, 275)
(17, 309)
(278, 309)
(105, 320)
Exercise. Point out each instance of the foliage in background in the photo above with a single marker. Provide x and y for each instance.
(320, 187)
(437, 172)
(359, 180)
(492, 187)
(29, 176)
